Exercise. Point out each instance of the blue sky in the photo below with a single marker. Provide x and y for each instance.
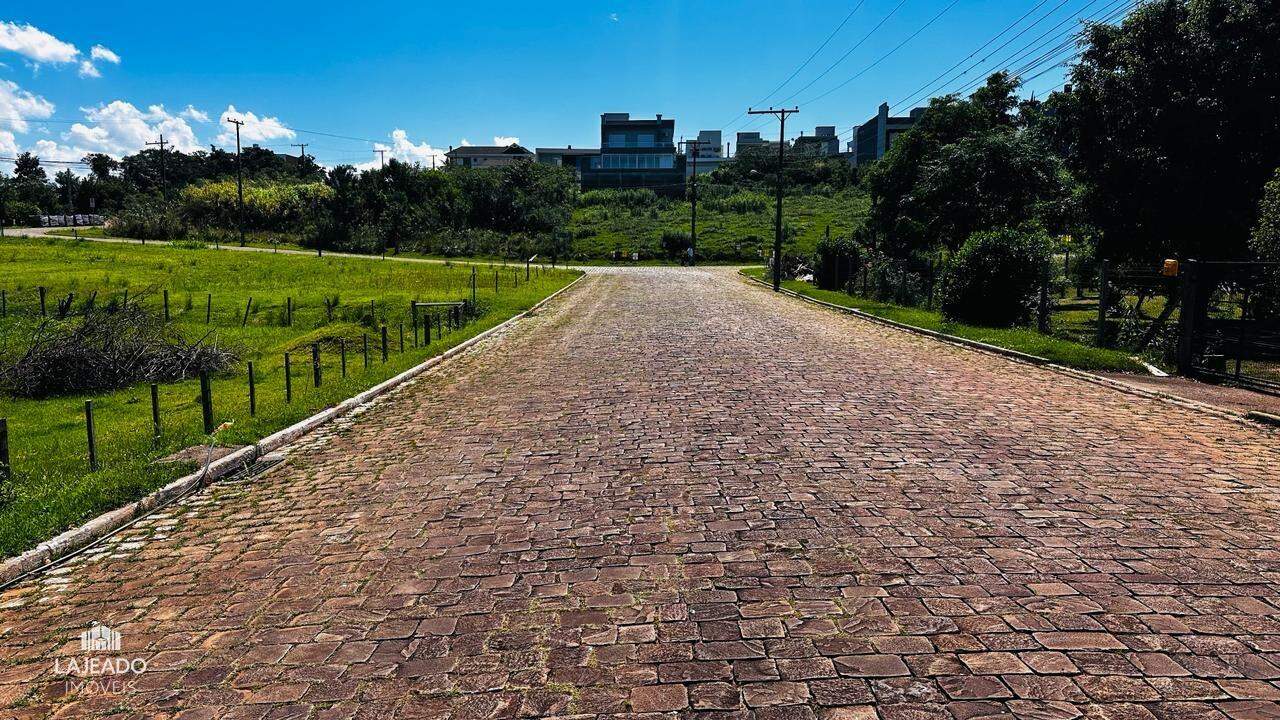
(439, 74)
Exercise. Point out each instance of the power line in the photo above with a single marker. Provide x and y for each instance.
(984, 46)
(806, 62)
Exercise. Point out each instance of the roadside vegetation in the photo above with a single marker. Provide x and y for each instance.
(297, 302)
(1060, 350)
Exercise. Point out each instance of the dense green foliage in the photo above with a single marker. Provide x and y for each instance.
(1265, 244)
(1173, 126)
(995, 276)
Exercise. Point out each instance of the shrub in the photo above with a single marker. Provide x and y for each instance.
(675, 243)
(835, 260)
(743, 203)
(995, 276)
(1265, 244)
(630, 197)
(147, 218)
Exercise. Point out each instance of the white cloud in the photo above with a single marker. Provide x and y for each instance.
(40, 47)
(99, 52)
(118, 128)
(405, 150)
(191, 113)
(503, 140)
(8, 143)
(255, 129)
(613, 17)
(35, 44)
(17, 106)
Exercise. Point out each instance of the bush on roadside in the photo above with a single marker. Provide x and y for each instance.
(995, 276)
(148, 218)
(1265, 244)
(675, 243)
(835, 261)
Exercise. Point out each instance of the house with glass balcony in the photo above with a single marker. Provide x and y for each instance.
(636, 153)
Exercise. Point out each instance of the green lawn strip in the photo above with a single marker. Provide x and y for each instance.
(609, 231)
(1025, 340)
(53, 488)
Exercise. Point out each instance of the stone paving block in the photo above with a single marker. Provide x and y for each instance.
(673, 496)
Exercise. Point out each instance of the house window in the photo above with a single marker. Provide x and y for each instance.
(617, 140)
(644, 140)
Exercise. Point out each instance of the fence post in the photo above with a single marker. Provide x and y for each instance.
(402, 338)
(495, 282)
(206, 402)
(384, 343)
(247, 307)
(43, 309)
(166, 305)
(365, 338)
(208, 308)
(1189, 276)
(6, 470)
(342, 351)
(473, 284)
(288, 380)
(253, 392)
(413, 318)
(288, 312)
(93, 437)
(315, 363)
(1104, 298)
(156, 430)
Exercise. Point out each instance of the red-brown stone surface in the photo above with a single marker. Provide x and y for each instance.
(673, 495)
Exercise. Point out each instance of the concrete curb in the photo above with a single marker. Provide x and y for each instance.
(78, 538)
(1251, 418)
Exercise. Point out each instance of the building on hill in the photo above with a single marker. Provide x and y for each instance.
(484, 156)
(578, 159)
(872, 139)
(636, 153)
(823, 142)
(711, 154)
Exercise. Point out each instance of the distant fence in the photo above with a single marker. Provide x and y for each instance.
(69, 220)
(1228, 329)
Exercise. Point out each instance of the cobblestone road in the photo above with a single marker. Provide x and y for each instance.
(673, 495)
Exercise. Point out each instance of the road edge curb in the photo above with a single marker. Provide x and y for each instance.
(1252, 419)
(73, 540)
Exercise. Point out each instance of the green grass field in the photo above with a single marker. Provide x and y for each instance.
(53, 488)
(1026, 340)
(606, 232)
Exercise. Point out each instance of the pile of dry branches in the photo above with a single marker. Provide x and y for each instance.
(103, 349)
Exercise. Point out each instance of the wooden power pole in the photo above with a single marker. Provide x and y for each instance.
(239, 182)
(691, 148)
(164, 182)
(781, 114)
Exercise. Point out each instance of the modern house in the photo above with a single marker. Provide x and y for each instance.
(580, 159)
(711, 154)
(823, 142)
(483, 156)
(636, 153)
(874, 137)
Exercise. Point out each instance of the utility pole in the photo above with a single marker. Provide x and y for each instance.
(164, 183)
(382, 158)
(691, 147)
(781, 114)
(239, 182)
(302, 154)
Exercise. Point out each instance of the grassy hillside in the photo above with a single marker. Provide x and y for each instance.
(726, 230)
(53, 488)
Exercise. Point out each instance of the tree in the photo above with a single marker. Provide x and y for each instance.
(1265, 244)
(999, 178)
(1173, 126)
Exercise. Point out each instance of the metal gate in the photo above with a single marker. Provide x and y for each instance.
(1230, 323)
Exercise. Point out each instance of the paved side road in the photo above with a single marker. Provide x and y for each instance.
(674, 495)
